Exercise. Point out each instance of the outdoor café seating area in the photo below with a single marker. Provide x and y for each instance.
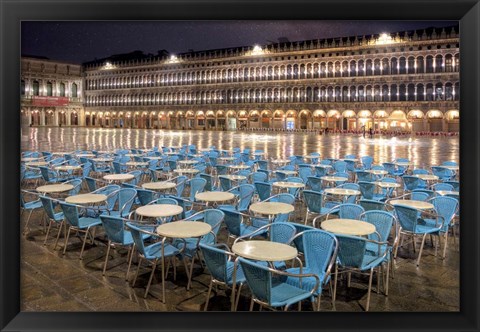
(304, 232)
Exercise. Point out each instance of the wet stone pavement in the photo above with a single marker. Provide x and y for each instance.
(51, 281)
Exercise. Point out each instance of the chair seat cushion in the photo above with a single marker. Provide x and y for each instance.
(33, 205)
(155, 251)
(283, 294)
(85, 222)
(307, 283)
(240, 277)
(433, 224)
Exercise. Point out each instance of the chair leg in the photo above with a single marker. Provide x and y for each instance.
(131, 251)
(349, 277)
(208, 294)
(106, 257)
(369, 289)
(334, 295)
(400, 239)
(66, 240)
(421, 249)
(238, 296)
(48, 231)
(445, 244)
(319, 298)
(61, 227)
(386, 281)
(138, 269)
(251, 304)
(190, 273)
(163, 278)
(151, 278)
(26, 223)
(84, 242)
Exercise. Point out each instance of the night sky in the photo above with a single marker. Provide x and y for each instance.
(79, 42)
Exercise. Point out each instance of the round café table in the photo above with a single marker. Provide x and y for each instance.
(159, 185)
(280, 161)
(350, 159)
(214, 197)
(85, 155)
(55, 188)
(426, 177)
(188, 171)
(266, 251)
(238, 167)
(37, 163)
(404, 163)
(447, 192)
(160, 211)
(187, 162)
(182, 230)
(348, 227)
(271, 209)
(225, 159)
(342, 192)
(329, 178)
(136, 163)
(288, 185)
(86, 199)
(66, 168)
(451, 167)
(28, 159)
(421, 205)
(234, 177)
(387, 185)
(103, 160)
(132, 155)
(118, 177)
(376, 171)
(287, 172)
(311, 157)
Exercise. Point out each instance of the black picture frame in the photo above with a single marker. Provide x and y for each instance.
(13, 12)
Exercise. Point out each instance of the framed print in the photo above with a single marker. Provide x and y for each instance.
(204, 123)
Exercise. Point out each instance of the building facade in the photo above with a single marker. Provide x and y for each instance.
(405, 81)
(51, 93)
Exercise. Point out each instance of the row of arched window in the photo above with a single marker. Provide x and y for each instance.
(369, 67)
(49, 89)
(355, 93)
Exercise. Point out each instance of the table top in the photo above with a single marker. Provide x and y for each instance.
(404, 163)
(350, 159)
(118, 177)
(86, 155)
(226, 158)
(376, 171)
(55, 188)
(287, 172)
(387, 184)
(187, 162)
(285, 184)
(411, 203)
(37, 163)
(451, 167)
(186, 170)
(214, 196)
(103, 160)
(184, 229)
(342, 191)
(258, 153)
(426, 176)
(280, 161)
(264, 250)
(136, 163)
(133, 155)
(234, 177)
(171, 153)
(67, 167)
(86, 199)
(154, 157)
(27, 159)
(159, 210)
(271, 208)
(239, 166)
(447, 192)
(323, 166)
(333, 178)
(159, 185)
(311, 157)
(348, 227)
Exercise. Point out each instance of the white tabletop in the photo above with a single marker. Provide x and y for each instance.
(159, 185)
(404, 163)
(154, 157)
(348, 227)
(172, 153)
(285, 184)
(86, 155)
(387, 184)
(27, 159)
(184, 229)
(427, 177)
(159, 210)
(226, 158)
(86, 199)
(187, 162)
(214, 196)
(447, 192)
(118, 177)
(37, 163)
(234, 177)
(311, 157)
(55, 188)
(271, 208)
(136, 163)
(239, 166)
(342, 191)
(333, 178)
(287, 172)
(67, 167)
(103, 160)
(323, 166)
(350, 159)
(264, 250)
(187, 170)
(280, 161)
(451, 167)
(258, 153)
(133, 155)
(376, 171)
(411, 203)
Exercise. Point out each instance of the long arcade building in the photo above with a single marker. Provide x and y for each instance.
(407, 81)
